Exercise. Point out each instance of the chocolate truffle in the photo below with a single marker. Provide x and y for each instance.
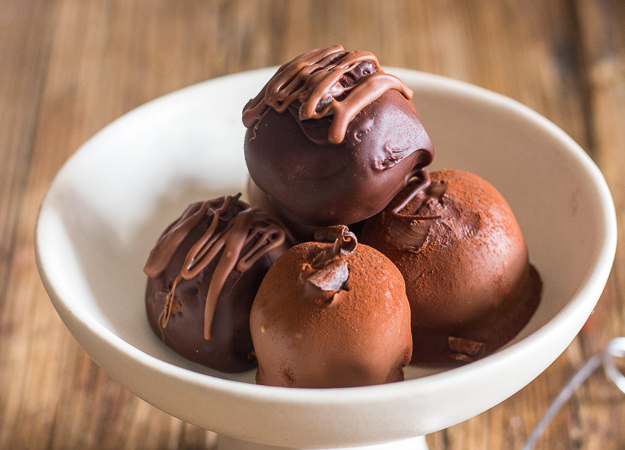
(203, 275)
(468, 279)
(332, 138)
(302, 233)
(331, 314)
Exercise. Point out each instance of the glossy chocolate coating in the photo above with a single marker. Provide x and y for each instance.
(463, 257)
(301, 233)
(317, 175)
(203, 275)
(320, 322)
(326, 184)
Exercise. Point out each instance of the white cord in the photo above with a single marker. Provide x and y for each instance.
(614, 349)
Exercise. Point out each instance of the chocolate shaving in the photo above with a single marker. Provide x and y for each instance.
(422, 189)
(347, 239)
(330, 234)
(465, 350)
(323, 255)
(410, 228)
(328, 263)
(332, 277)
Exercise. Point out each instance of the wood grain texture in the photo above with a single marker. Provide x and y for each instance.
(69, 67)
(601, 407)
(24, 48)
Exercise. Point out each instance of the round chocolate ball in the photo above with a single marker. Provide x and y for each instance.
(302, 233)
(331, 315)
(345, 160)
(203, 275)
(463, 257)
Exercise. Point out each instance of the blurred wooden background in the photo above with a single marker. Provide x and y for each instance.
(69, 67)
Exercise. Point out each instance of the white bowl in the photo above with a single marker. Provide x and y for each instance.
(111, 200)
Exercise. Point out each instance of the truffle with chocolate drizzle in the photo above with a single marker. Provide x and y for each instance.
(331, 313)
(332, 138)
(203, 274)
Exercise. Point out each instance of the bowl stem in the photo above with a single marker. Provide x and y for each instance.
(416, 443)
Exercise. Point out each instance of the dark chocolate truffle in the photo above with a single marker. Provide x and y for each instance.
(203, 275)
(332, 138)
(468, 278)
(302, 233)
(331, 315)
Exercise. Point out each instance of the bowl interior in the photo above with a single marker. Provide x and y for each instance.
(110, 202)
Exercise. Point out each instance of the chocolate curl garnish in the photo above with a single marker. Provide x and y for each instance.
(465, 350)
(326, 81)
(330, 268)
(421, 185)
(332, 277)
(347, 240)
(242, 227)
(412, 230)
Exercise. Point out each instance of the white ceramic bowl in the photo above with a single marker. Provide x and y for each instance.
(111, 200)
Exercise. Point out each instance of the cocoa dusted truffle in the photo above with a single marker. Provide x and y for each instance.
(468, 278)
(331, 314)
(203, 275)
(332, 138)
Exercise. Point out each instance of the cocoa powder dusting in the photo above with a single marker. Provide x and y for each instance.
(461, 251)
(360, 335)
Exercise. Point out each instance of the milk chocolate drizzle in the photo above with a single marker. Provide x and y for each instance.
(243, 225)
(412, 230)
(325, 81)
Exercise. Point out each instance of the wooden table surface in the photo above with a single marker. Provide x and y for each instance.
(69, 67)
